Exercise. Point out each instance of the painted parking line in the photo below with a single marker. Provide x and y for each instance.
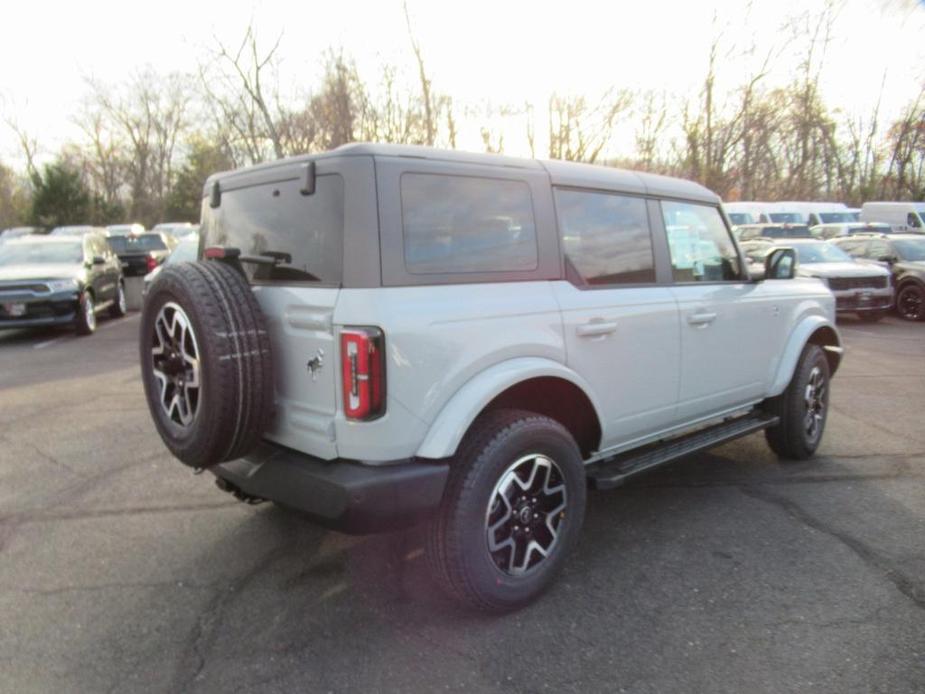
(49, 343)
(101, 326)
(117, 321)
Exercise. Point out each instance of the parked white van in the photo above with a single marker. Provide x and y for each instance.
(763, 213)
(902, 216)
(815, 213)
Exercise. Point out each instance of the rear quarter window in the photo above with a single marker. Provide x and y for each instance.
(466, 224)
(305, 231)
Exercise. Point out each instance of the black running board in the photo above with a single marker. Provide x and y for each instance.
(612, 472)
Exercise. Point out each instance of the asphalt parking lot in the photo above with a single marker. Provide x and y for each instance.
(122, 571)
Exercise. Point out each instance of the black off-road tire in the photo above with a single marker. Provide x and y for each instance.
(457, 545)
(119, 307)
(790, 439)
(85, 322)
(910, 301)
(235, 396)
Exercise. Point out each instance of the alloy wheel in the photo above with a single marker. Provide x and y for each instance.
(815, 398)
(89, 312)
(911, 303)
(175, 361)
(525, 514)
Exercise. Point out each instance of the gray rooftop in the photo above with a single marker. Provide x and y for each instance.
(564, 173)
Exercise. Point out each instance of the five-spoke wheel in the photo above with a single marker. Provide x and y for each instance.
(175, 364)
(526, 508)
(512, 510)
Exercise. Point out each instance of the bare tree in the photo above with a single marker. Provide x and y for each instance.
(578, 130)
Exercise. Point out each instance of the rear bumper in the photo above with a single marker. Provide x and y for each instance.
(343, 495)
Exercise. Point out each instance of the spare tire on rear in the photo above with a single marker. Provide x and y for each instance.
(206, 362)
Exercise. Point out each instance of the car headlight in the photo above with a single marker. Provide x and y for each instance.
(62, 285)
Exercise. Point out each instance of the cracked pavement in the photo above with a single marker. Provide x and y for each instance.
(727, 572)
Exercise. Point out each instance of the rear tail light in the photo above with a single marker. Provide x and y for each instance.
(362, 358)
(152, 262)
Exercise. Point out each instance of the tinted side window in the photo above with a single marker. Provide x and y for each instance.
(700, 245)
(458, 224)
(913, 220)
(275, 218)
(606, 237)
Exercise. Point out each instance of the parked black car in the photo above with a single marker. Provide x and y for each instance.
(59, 280)
(142, 253)
(904, 256)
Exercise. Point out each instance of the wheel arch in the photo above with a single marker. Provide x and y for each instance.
(534, 384)
(811, 330)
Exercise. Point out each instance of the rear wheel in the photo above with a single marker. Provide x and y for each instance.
(802, 408)
(86, 315)
(910, 302)
(512, 511)
(119, 306)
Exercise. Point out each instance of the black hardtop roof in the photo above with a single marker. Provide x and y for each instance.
(562, 173)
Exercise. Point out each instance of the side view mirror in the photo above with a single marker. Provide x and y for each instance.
(780, 264)
(887, 259)
(99, 260)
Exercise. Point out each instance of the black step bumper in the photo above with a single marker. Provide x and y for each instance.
(343, 495)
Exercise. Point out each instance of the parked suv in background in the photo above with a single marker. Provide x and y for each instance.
(58, 280)
(862, 289)
(383, 335)
(904, 256)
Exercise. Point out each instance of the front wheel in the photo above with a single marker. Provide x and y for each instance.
(512, 511)
(910, 302)
(802, 408)
(86, 315)
(119, 306)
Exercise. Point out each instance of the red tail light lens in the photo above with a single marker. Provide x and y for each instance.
(152, 262)
(362, 359)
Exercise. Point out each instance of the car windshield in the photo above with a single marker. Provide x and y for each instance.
(187, 251)
(786, 217)
(809, 253)
(910, 249)
(836, 217)
(137, 244)
(41, 253)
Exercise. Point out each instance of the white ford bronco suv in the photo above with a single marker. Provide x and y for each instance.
(383, 335)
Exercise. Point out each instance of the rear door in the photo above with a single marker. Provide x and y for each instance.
(271, 211)
(620, 322)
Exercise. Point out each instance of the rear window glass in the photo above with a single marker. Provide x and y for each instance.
(460, 224)
(137, 244)
(606, 237)
(301, 237)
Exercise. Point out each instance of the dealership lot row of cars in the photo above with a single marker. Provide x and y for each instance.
(872, 258)
(74, 274)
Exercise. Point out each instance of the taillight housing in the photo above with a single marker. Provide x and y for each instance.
(362, 360)
(152, 262)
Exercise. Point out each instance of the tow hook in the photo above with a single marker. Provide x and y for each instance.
(237, 493)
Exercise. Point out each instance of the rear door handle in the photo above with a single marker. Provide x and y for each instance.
(701, 318)
(596, 329)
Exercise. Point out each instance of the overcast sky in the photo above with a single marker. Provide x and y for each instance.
(506, 52)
